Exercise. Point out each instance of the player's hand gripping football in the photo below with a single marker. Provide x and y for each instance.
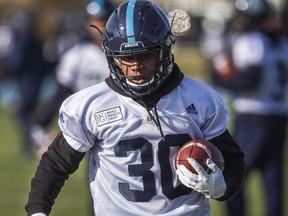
(211, 185)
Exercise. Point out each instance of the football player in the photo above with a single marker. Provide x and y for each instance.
(132, 125)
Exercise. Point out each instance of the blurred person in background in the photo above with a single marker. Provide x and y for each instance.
(215, 34)
(255, 70)
(79, 67)
(23, 64)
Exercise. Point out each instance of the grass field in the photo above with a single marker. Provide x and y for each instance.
(16, 173)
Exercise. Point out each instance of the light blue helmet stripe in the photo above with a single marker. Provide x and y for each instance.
(130, 21)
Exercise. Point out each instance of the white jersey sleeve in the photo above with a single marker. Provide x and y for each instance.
(131, 169)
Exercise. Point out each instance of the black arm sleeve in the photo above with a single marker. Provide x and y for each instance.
(234, 171)
(54, 168)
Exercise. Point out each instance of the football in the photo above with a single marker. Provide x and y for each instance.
(200, 150)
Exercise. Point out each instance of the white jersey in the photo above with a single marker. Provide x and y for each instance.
(82, 66)
(131, 168)
(270, 96)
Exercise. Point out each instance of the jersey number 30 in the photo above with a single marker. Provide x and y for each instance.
(144, 169)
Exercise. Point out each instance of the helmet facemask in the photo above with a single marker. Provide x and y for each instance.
(154, 78)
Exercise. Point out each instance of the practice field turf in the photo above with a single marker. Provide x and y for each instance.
(16, 173)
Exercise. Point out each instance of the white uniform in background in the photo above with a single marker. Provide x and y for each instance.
(269, 96)
(82, 66)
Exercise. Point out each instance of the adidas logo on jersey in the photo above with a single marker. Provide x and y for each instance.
(191, 109)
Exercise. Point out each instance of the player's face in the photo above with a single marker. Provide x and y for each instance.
(140, 68)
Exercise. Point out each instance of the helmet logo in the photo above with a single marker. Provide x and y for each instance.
(131, 46)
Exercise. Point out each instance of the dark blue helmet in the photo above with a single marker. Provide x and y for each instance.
(139, 27)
